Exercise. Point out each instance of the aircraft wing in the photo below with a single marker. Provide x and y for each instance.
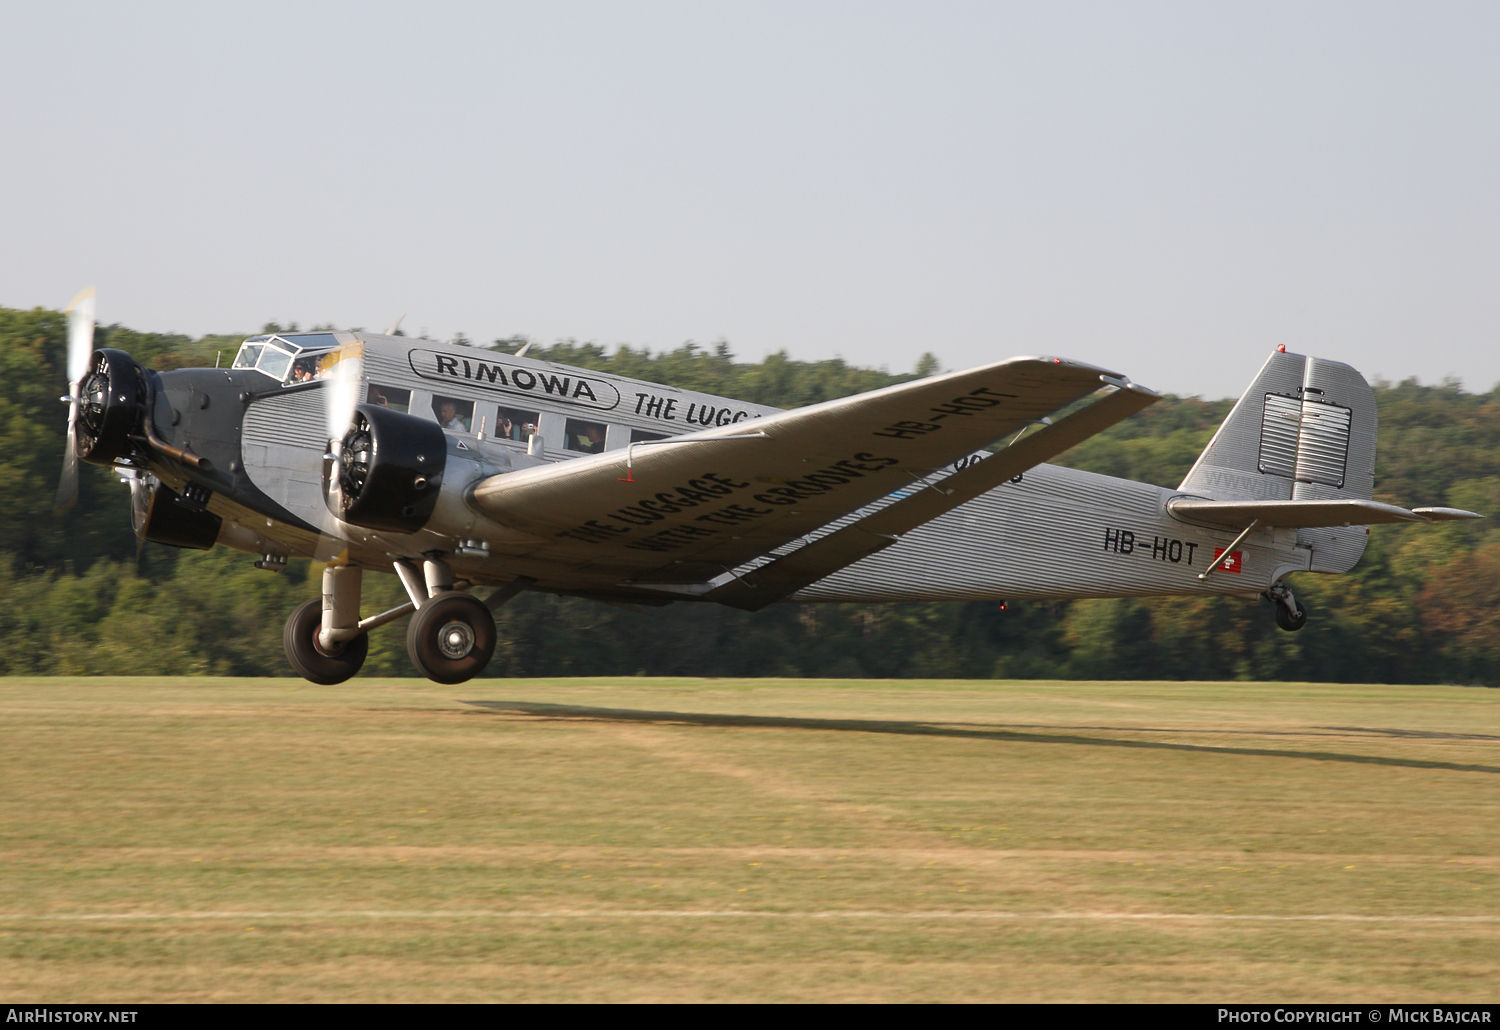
(863, 537)
(689, 508)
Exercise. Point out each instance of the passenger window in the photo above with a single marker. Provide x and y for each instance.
(587, 437)
(392, 397)
(641, 436)
(514, 424)
(453, 413)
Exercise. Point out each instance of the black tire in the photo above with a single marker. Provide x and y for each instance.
(313, 663)
(451, 637)
(1288, 621)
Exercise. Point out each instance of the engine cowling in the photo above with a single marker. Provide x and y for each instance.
(112, 395)
(387, 471)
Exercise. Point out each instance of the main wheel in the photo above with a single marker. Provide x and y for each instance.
(1289, 621)
(308, 657)
(451, 638)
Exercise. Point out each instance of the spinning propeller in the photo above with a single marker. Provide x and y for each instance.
(80, 347)
(342, 371)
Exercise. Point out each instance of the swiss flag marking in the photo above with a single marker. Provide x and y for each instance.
(1233, 562)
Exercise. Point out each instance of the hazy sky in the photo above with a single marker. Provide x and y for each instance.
(1170, 190)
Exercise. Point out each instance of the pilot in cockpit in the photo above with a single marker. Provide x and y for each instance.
(303, 370)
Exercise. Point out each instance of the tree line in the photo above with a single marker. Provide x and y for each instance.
(80, 595)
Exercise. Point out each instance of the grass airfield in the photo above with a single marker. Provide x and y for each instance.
(770, 840)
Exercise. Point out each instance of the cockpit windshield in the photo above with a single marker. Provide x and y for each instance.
(286, 358)
(249, 354)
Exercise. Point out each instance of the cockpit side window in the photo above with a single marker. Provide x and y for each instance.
(304, 369)
(274, 362)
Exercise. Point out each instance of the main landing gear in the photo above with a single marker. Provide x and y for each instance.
(1290, 615)
(324, 638)
(308, 656)
(451, 637)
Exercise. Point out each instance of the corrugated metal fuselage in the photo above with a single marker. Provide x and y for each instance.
(1063, 533)
(1057, 533)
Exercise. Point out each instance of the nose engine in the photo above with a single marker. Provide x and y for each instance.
(387, 471)
(113, 423)
(112, 398)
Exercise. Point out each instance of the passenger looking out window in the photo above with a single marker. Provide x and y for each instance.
(453, 413)
(587, 437)
(514, 424)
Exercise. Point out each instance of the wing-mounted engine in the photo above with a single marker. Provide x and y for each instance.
(111, 399)
(387, 471)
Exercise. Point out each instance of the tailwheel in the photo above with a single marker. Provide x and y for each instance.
(1290, 615)
(1290, 620)
(451, 637)
(308, 656)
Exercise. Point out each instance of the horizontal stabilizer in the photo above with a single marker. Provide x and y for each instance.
(841, 548)
(1346, 511)
(1447, 514)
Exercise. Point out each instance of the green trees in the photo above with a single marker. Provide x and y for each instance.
(1424, 604)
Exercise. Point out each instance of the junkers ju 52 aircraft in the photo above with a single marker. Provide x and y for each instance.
(457, 468)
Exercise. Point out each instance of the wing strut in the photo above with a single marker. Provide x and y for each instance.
(511, 589)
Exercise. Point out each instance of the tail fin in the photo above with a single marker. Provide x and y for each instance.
(1304, 430)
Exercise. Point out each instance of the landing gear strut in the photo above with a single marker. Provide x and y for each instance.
(1290, 615)
(323, 639)
(309, 657)
(452, 637)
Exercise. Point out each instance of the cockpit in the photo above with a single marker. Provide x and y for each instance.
(289, 358)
